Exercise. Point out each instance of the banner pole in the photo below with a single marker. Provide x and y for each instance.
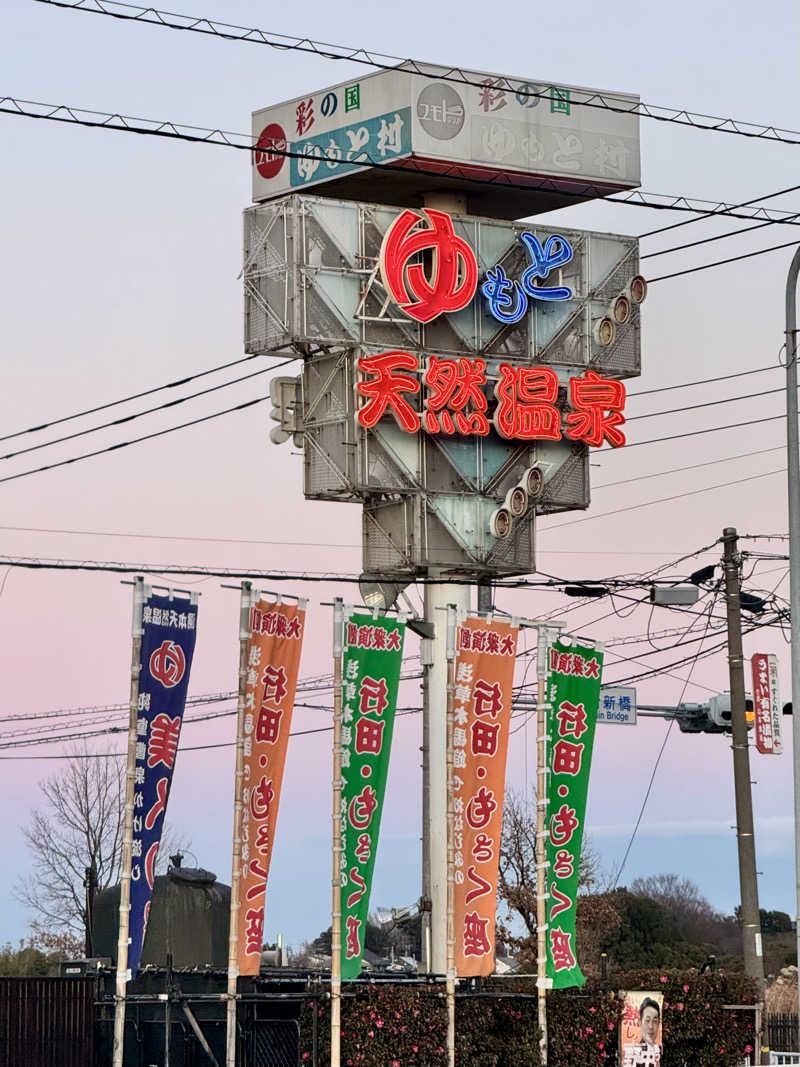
(127, 834)
(336, 884)
(542, 635)
(236, 863)
(451, 941)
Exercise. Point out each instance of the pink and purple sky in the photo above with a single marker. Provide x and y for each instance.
(118, 272)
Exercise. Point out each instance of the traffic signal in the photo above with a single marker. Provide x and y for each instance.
(286, 399)
(719, 710)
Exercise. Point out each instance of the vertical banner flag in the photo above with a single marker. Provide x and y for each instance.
(273, 663)
(373, 654)
(766, 705)
(485, 657)
(169, 626)
(574, 697)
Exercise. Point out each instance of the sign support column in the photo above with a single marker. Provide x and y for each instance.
(233, 936)
(438, 597)
(127, 836)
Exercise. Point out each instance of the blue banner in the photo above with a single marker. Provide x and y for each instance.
(169, 628)
(367, 142)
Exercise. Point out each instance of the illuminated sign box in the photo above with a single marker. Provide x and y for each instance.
(396, 135)
(311, 278)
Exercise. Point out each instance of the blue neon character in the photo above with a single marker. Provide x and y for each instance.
(506, 300)
(556, 252)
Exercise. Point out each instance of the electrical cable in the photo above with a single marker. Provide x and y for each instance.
(710, 240)
(283, 42)
(140, 414)
(648, 477)
(713, 211)
(718, 263)
(706, 404)
(135, 396)
(704, 381)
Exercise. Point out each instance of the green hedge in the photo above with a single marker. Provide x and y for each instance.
(404, 1025)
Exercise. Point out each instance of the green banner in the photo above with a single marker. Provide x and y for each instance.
(373, 653)
(573, 696)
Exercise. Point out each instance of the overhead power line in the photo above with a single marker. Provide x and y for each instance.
(245, 142)
(140, 414)
(706, 404)
(382, 61)
(722, 262)
(704, 381)
(725, 209)
(708, 240)
(132, 396)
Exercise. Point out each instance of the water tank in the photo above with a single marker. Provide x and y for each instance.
(189, 918)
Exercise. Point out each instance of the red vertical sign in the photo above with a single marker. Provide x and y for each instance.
(482, 709)
(766, 704)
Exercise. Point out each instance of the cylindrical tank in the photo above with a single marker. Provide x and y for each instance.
(189, 918)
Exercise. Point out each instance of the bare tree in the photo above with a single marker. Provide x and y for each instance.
(79, 825)
(517, 871)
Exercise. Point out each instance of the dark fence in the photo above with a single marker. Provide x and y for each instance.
(44, 1021)
(780, 1032)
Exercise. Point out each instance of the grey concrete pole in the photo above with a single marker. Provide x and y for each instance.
(750, 918)
(793, 467)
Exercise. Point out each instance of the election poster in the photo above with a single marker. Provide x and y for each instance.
(640, 1031)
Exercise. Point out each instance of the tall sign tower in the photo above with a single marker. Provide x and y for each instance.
(458, 365)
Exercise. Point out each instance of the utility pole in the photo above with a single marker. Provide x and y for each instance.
(750, 917)
(793, 468)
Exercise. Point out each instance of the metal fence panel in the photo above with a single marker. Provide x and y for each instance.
(47, 1020)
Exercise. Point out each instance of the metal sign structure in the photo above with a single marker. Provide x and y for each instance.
(424, 123)
(316, 283)
(617, 705)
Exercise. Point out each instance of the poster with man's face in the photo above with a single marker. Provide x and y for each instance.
(640, 1032)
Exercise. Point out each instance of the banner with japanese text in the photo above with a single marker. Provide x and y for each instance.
(373, 654)
(766, 705)
(169, 626)
(574, 696)
(273, 663)
(485, 658)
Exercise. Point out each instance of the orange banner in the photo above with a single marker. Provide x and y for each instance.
(273, 661)
(485, 657)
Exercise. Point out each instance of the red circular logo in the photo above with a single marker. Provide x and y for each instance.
(269, 151)
(167, 664)
(452, 278)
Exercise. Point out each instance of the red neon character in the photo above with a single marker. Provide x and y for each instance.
(361, 808)
(353, 945)
(526, 403)
(387, 388)
(163, 743)
(269, 724)
(369, 735)
(453, 276)
(571, 719)
(488, 698)
(254, 930)
(361, 889)
(274, 681)
(162, 785)
(456, 383)
(305, 115)
(598, 404)
(476, 941)
(562, 825)
(483, 848)
(482, 887)
(484, 738)
(567, 757)
(480, 808)
(561, 950)
(261, 797)
(373, 694)
(563, 902)
(563, 864)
